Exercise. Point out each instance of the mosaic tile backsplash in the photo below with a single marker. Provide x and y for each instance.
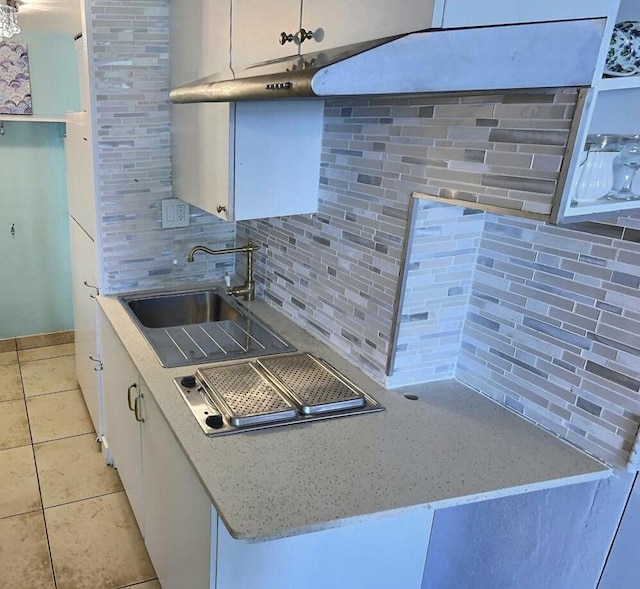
(130, 41)
(443, 251)
(499, 150)
(337, 272)
(546, 318)
(553, 326)
(529, 314)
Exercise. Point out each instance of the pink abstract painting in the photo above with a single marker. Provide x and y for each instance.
(15, 87)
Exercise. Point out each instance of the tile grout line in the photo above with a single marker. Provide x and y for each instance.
(83, 499)
(52, 392)
(35, 465)
(92, 432)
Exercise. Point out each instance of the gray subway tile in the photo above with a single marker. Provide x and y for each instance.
(589, 406)
(519, 183)
(558, 138)
(613, 375)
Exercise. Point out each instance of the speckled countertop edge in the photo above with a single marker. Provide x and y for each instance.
(453, 446)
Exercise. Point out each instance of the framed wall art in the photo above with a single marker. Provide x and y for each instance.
(15, 85)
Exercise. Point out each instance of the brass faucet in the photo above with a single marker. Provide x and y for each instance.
(248, 289)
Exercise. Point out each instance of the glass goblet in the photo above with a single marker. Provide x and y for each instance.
(625, 166)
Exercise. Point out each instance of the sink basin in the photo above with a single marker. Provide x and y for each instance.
(194, 327)
(183, 309)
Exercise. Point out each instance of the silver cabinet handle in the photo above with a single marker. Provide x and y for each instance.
(131, 388)
(286, 38)
(98, 366)
(137, 408)
(93, 296)
(303, 35)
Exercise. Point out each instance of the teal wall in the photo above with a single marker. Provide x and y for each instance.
(54, 73)
(35, 267)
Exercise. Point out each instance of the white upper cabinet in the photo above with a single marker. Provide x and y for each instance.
(263, 31)
(335, 23)
(257, 28)
(249, 160)
(238, 161)
(200, 39)
(471, 13)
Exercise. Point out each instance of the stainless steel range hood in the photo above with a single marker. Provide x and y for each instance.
(540, 55)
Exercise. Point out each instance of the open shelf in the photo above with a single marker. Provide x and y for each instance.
(621, 83)
(596, 207)
(31, 119)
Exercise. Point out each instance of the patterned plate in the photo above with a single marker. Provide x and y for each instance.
(623, 58)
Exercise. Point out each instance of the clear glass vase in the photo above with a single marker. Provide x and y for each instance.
(625, 166)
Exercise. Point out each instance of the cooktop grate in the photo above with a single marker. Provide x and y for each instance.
(313, 384)
(245, 395)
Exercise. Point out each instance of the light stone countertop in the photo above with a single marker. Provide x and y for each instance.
(453, 446)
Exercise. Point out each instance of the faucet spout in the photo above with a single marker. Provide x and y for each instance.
(248, 289)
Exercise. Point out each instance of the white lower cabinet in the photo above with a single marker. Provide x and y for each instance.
(84, 274)
(171, 507)
(189, 544)
(120, 390)
(179, 525)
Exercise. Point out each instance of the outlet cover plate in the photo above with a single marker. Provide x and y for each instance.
(175, 213)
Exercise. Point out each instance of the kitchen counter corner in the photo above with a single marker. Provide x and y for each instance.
(449, 447)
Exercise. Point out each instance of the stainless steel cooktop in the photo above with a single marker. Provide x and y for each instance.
(270, 392)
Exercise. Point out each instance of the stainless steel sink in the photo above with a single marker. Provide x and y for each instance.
(197, 326)
(183, 309)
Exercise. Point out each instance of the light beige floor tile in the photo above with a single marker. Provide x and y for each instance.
(14, 428)
(19, 492)
(46, 352)
(24, 553)
(10, 382)
(8, 358)
(58, 415)
(50, 375)
(72, 469)
(96, 543)
(44, 339)
(8, 345)
(155, 584)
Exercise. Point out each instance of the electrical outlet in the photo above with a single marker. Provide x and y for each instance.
(175, 213)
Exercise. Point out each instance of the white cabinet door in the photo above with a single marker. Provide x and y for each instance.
(471, 13)
(250, 160)
(200, 39)
(79, 163)
(201, 134)
(83, 270)
(177, 511)
(256, 27)
(342, 22)
(120, 388)
(202, 148)
(277, 158)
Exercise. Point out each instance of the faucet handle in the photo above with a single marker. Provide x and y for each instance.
(227, 279)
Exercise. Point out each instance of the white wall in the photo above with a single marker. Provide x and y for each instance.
(553, 539)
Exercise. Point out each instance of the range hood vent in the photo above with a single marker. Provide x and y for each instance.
(539, 55)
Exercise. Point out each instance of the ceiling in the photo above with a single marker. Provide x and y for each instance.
(52, 16)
